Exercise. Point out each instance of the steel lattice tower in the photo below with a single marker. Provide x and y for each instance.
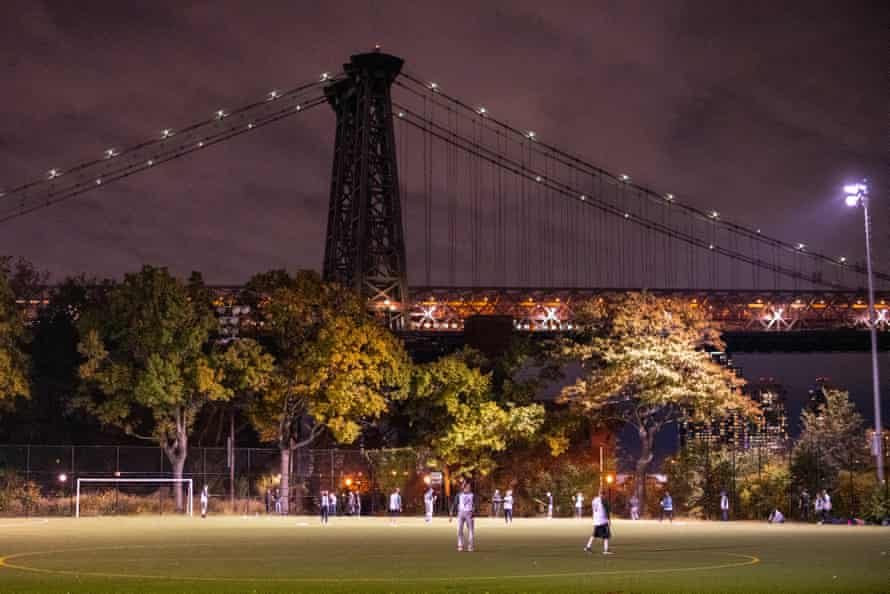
(365, 245)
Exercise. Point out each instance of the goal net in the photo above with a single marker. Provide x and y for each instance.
(117, 496)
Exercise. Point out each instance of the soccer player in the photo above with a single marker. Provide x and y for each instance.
(724, 506)
(323, 507)
(508, 507)
(549, 505)
(497, 501)
(601, 525)
(332, 503)
(395, 506)
(634, 507)
(826, 506)
(579, 505)
(464, 505)
(205, 501)
(667, 507)
(429, 500)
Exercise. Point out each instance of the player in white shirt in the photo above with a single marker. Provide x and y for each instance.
(332, 503)
(579, 505)
(601, 525)
(395, 506)
(429, 501)
(465, 505)
(724, 506)
(508, 507)
(205, 501)
(549, 505)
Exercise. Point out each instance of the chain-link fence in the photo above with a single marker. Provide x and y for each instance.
(41, 480)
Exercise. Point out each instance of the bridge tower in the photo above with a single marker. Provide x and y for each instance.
(365, 244)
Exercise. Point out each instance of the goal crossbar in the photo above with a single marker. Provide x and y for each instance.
(185, 481)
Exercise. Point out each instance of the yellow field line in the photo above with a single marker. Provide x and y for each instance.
(4, 563)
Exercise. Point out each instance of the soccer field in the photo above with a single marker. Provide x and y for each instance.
(275, 554)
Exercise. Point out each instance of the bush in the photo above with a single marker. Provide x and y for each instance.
(877, 508)
(17, 495)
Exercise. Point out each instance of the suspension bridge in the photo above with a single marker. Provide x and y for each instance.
(439, 212)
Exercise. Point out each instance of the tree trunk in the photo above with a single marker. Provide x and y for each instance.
(177, 451)
(284, 487)
(646, 455)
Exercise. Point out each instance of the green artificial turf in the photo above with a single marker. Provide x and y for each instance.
(274, 554)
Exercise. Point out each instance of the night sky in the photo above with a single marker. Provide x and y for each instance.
(761, 110)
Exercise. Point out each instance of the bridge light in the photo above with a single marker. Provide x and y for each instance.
(539, 179)
(842, 260)
(273, 95)
(801, 246)
(710, 246)
(434, 86)
(530, 135)
(298, 107)
(482, 111)
(220, 114)
(401, 114)
(669, 197)
(166, 133)
(325, 76)
(53, 173)
(627, 215)
(109, 153)
(201, 144)
(250, 126)
(99, 181)
(715, 214)
(624, 177)
(150, 162)
(583, 197)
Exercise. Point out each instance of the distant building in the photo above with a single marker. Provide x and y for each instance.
(769, 432)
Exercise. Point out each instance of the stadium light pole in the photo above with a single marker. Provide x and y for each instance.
(857, 195)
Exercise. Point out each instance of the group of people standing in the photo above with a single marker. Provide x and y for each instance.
(502, 504)
(327, 504)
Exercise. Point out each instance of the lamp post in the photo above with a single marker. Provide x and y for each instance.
(857, 195)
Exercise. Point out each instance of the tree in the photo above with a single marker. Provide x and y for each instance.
(245, 370)
(644, 364)
(13, 357)
(832, 438)
(454, 412)
(145, 369)
(336, 368)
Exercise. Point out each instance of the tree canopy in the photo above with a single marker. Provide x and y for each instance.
(645, 363)
(14, 361)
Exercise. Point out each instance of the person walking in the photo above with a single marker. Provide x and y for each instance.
(464, 506)
(508, 507)
(601, 525)
(667, 507)
(579, 505)
(395, 506)
(724, 506)
(634, 507)
(497, 502)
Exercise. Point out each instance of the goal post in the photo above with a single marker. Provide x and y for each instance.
(190, 501)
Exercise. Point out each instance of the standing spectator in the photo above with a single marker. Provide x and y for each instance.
(819, 507)
(549, 505)
(805, 505)
(497, 501)
(395, 506)
(667, 507)
(826, 506)
(579, 505)
(277, 498)
(634, 507)
(350, 503)
(724, 506)
(323, 508)
(358, 504)
(332, 503)
(508, 507)
(429, 501)
(205, 501)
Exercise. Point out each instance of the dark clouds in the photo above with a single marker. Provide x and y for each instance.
(759, 110)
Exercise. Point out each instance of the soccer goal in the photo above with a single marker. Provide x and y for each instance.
(117, 483)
